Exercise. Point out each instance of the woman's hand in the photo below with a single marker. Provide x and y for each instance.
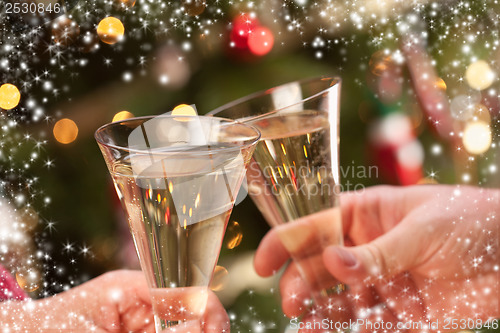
(421, 254)
(118, 301)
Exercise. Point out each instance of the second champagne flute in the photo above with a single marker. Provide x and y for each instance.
(294, 172)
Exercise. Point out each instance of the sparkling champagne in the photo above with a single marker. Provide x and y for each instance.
(290, 176)
(178, 211)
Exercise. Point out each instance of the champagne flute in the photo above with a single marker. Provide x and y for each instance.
(294, 172)
(177, 178)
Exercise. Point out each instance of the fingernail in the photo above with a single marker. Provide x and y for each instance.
(347, 257)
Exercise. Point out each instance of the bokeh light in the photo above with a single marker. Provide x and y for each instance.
(261, 41)
(219, 278)
(122, 115)
(65, 131)
(479, 75)
(234, 235)
(184, 110)
(126, 3)
(110, 30)
(9, 96)
(243, 26)
(65, 31)
(462, 107)
(29, 281)
(440, 84)
(379, 62)
(477, 137)
(481, 112)
(194, 7)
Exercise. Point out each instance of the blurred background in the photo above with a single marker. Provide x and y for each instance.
(420, 103)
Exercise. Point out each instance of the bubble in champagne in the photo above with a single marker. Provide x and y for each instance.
(234, 235)
(219, 278)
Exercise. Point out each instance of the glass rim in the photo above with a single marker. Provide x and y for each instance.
(246, 143)
(335, 80)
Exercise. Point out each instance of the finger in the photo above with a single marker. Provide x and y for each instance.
(137, 318)
(216, 318)
(369, 214)
(295, 294)
(385, 256)
(271, 255)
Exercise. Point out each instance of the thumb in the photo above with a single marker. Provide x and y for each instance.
(384, 257)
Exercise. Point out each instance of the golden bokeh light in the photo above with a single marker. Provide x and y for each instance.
(440, 84)
(479, 75)
(122, 115)
(126, 3)
(380, 62)
(184, 110)
(9, 96)
(110, 30)
(477, 137)
(28, 281)
(219, 278)
(65, 131)
(234, 235)
(427, 181)
(481, 112)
